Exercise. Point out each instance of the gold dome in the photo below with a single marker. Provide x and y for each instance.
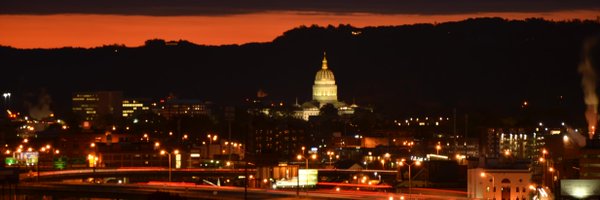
(324, 74)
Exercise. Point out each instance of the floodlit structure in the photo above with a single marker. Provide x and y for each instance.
(324, 92)
(487, 183)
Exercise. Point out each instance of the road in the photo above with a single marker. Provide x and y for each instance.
(190, 191)
(193, 191)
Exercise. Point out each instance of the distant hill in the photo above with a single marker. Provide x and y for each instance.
(485, 66)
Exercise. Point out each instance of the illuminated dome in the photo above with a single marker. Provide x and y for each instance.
(324, 74)
(324, 89)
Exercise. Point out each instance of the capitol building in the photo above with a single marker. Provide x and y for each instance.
(324, 92)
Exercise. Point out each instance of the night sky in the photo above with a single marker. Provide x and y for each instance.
(52, 24)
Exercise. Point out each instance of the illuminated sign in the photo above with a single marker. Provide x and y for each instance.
(178, 161)
(60, 163)
(10, 161)
(308, 177)
(436, 157)
(579, 188)
(29, 158)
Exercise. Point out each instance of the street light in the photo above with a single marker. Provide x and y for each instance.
(300, 157)
(554, 178)
(483, 175)
(44, 149)
(438, 147)
(93, 160)
(330, 154)
(6, 96)
(545, 166)
(211, 138)
(416, 163)
(460, 158)
(163, 152)
(507, 152)
(368, 159)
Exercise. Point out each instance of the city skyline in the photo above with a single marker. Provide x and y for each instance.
(300, 99)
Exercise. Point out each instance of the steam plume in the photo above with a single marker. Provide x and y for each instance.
(42, 109)
(588, 82)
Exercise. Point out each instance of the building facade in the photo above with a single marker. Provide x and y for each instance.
(92, 106)
(590, 162)
(519, 143)
(184, 107)
(498, 184)
(135, 107)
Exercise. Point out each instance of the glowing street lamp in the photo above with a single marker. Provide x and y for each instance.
(331, 154)
(6, 96)
(545, 166)
(554, 178)
(163, 152)
(300, 157)
(211, 138)
(438, 147)
(93, 161)
(43, 149)
(416, 163)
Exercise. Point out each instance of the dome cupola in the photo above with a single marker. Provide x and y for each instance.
(324, 89)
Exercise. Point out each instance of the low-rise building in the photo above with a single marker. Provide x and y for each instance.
(505, 184)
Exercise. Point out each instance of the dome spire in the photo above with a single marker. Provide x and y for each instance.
(324, 65)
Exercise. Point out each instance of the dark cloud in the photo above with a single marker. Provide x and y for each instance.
(226, 7)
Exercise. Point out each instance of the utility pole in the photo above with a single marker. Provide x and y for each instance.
(246, 157)
(454, 121)
(466, 133)
(229, 116)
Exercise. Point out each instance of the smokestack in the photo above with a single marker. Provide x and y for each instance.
(588, 82)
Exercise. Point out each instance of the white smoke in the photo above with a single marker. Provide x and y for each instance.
(42, 109)
(588, 82)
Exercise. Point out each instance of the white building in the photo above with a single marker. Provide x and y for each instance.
(324, 92)
(498, 184)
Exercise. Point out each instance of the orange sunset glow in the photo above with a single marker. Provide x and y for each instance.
(90, 30)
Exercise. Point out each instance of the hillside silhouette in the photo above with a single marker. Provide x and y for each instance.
(487, 66)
